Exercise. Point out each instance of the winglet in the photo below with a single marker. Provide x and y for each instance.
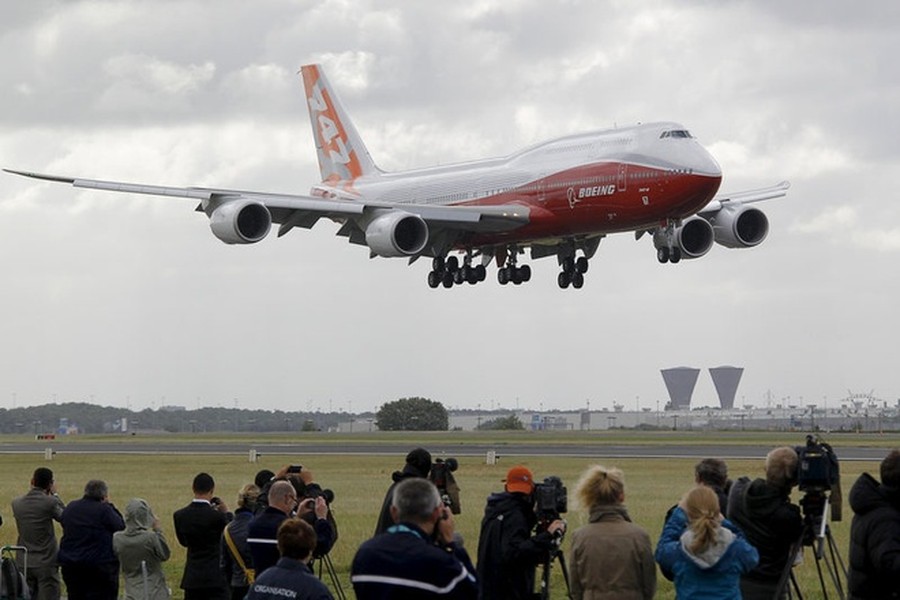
(56, 178)
(342, 155)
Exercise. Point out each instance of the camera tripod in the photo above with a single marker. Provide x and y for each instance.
(816, 534)
(556, 553)
(325, 561)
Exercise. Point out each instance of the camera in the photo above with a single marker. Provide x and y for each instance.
(550, 499)
(818, 473)
(314, 490)
(215, 501)
(817, 468)
(441, 476)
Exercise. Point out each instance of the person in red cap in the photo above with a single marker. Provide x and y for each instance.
(508, 553)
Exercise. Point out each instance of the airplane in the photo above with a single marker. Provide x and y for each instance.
(557, 198)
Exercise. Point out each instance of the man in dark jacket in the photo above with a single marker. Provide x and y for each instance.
(198, 527)
(875, 533)
(291, 577)
(507, 551)
(417, 558)
(89, 565)
(762, 509)
(418, 464)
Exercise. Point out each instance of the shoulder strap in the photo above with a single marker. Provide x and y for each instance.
(250, 574)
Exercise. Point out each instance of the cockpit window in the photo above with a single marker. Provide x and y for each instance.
(676, 133)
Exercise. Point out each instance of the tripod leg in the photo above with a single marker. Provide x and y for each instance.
(562, 565)
(335, 582)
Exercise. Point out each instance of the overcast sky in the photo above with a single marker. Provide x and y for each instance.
(130, 301)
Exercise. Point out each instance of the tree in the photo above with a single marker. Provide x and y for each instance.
(511, 422)
(412, 414)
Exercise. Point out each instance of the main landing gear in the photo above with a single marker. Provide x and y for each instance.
(573, 271)
(449, 272)
(511, 273)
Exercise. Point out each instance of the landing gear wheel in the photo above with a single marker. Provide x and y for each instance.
(525, 273)
(458, 276)
(662, 255)
(503, 275)
(563, 279)
(581, 265)
(452, 264)
(675, 257)
(447, 279)
(437, 263)
(480, 272)
(577, 280)
(434, 279)
(568, 264)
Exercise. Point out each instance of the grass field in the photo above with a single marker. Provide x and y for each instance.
(359, 483)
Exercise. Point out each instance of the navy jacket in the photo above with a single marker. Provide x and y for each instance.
(403, 564)
(88, 527)
(288, 578)
(262, 537)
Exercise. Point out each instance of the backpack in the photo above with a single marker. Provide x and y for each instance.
(12, 580)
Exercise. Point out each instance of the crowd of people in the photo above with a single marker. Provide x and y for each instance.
(723, 539)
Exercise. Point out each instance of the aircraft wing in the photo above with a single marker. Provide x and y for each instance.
(746, 197)
(291, 210)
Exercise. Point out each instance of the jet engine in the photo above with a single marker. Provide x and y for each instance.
(739, 226)
(240, 222)
(397, 233)
(694, 238)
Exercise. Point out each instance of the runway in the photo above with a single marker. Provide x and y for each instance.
(395, 448)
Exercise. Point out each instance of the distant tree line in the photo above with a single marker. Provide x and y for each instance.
(90, 418)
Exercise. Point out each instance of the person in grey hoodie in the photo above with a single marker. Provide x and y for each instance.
(142, 548)
(706, 553)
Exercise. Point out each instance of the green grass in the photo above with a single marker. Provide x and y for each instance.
(359, 483)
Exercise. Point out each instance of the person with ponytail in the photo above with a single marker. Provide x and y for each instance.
(611, 557)
(706, 553)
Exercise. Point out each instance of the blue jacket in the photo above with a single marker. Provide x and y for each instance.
(262, 537)
(714, 574)
(288, 578)
(403, 564)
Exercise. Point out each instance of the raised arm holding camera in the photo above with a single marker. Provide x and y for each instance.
(509, 550)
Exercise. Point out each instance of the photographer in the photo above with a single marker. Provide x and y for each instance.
(611, 556)
(875, 533)
(418, 556)
(508, 553)
(418, 464)
(762, 509)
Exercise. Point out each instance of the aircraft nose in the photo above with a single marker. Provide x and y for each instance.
(702, 162)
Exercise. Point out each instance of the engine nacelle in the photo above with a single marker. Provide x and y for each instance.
(740, 226)
(240, 222)
(694, 237)
(397, 233)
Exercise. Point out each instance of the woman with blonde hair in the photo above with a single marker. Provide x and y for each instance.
(611, 557)
(705, 552)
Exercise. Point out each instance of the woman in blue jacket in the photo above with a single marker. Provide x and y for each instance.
(705, 552)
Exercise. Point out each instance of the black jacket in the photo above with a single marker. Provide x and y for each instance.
(769, 521)
(403, 564)
(507, 552)
(384, 517)
(874, 540)
(198, 527)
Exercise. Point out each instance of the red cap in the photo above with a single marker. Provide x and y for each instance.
(519, 479)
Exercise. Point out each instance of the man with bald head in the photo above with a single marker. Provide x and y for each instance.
(262, 535)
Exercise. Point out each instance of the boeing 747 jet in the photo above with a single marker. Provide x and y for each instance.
(557, 198)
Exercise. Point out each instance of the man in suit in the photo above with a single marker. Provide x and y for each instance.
(35, 513)
(198, 527)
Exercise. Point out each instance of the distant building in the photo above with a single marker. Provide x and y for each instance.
(680, 382)
(726, 380)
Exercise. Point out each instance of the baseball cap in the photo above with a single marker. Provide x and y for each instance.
(519, 479)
